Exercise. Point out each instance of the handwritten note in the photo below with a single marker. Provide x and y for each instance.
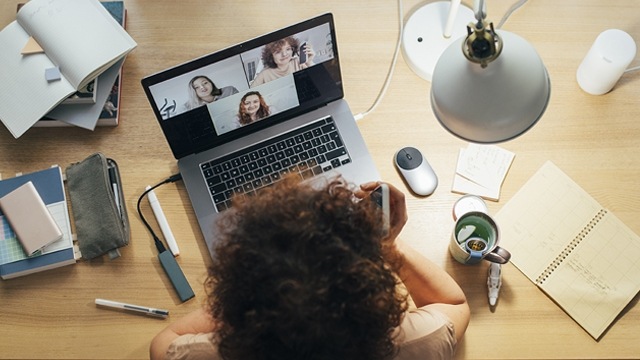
(481, 170)
(576, 251)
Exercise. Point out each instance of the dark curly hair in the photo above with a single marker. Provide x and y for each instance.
(302, 273)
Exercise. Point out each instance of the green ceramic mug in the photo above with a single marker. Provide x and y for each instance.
(475, 237)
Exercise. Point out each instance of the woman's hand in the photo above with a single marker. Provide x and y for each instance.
(397, 206)
(310, 55)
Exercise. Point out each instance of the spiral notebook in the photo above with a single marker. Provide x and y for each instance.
(579, 253)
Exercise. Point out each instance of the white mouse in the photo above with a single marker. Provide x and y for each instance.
(416, 171)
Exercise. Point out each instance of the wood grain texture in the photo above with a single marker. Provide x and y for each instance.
(594, 139)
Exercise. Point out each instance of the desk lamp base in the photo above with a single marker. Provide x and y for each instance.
(423, 39)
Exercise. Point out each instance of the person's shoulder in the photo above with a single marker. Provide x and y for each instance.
(423, 321)
(259, 79)
(426, 333)
(229, 90)
(193, 346)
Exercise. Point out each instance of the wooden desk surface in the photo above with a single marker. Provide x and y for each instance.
(594, 139)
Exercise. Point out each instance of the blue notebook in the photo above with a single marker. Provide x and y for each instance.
(14, 261)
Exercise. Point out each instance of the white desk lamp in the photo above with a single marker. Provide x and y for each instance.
(429, 31)
(490, 86)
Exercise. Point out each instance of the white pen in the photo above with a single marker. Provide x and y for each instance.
(162, 221)
(141, 309)
(114, 186)
(494, 281)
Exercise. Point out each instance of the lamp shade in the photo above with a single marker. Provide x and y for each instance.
(495, 103)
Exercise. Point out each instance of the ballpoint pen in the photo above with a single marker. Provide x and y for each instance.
(494, 281)
(114, 187)
(141, 309)
(162, 221)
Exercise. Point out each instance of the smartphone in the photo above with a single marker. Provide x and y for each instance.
(380, 196)
(302, 53)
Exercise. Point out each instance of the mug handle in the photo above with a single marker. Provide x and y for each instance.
(498, 255)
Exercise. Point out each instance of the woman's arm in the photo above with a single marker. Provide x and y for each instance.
(428, 284)
(431, 286)
(198, 321)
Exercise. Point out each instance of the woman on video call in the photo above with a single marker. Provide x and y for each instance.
(252, 108)
(203, 91)
(281, 58)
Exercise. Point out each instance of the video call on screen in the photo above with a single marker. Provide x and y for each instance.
(214, 101)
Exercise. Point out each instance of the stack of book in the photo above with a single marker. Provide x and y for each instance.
(64, 64)
(25, 247)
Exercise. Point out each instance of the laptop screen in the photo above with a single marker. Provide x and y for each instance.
(247, 87)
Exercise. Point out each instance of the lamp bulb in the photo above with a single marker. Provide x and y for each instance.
(482, 44)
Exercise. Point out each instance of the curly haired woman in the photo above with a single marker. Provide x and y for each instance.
(281, 58)
(309, 273)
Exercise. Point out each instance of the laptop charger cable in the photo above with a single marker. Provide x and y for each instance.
(167, 260)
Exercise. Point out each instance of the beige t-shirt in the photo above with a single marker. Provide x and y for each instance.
(423, 334)
(270, 74)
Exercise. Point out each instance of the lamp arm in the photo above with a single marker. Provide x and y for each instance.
(480, 10)
(451, 18)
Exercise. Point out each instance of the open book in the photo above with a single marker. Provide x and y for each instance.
(577, 252)
(80, 39)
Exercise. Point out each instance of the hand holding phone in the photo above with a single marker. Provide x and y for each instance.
(303, 53)
(397, 206)
(380, 196)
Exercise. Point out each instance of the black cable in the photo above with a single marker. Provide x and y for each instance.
(159, 245)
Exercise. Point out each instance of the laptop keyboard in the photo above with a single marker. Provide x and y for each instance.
(306, 151)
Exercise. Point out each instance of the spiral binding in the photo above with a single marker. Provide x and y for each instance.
(572, 245)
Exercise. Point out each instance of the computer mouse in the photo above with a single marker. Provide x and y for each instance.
(416, 171)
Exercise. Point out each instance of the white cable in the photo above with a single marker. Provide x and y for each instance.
(632, 69)
(511, 10)
(517, 5)
(391, 67)
(387, 81)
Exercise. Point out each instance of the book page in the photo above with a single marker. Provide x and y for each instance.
(10, 248)
(81, 37)
(25, 94)
(542, 218)
(86, 116)
(599, 277)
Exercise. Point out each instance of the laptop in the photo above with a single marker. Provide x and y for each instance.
(260, 123)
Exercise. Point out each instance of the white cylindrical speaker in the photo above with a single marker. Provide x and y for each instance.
(606, 61)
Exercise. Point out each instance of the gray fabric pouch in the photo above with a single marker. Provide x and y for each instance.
(99, 212)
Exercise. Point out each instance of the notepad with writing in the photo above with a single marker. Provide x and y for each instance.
(579, 253)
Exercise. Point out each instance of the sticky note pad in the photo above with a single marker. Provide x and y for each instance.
(52, 74)
(481, 170)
